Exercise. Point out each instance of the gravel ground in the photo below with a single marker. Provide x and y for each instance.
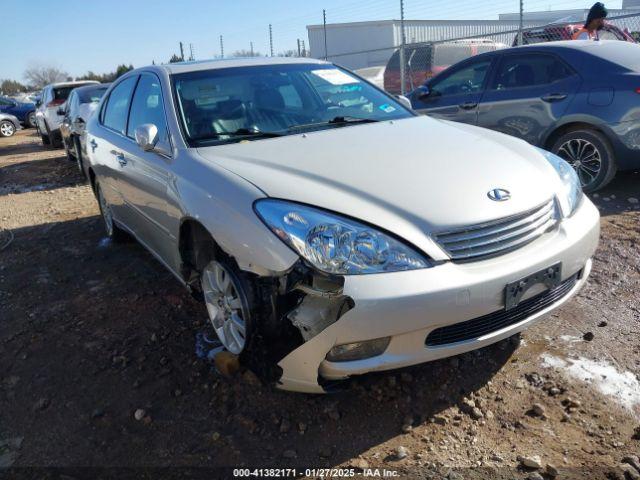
(98, 365)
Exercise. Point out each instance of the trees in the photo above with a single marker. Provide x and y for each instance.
(38, 76)
(246, 53)
(11, 87)
(175, 59)
(106, 77)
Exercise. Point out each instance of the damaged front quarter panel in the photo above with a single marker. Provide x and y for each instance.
(322, 305)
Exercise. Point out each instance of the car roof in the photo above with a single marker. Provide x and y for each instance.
(93, 86)
(183, 67)
(71, 84)
(600, 48)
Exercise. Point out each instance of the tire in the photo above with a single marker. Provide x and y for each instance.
(229, 308)
(78, 156)
(590, 154)
(7, 128)
(115, 233)
(69, 152)
(31, 120)
(45, 139)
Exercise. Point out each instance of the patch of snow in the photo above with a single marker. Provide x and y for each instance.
(570, 339)
(624, 387)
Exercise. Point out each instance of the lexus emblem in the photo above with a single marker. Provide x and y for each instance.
(499, 194)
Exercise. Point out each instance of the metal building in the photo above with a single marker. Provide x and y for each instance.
(369, 44)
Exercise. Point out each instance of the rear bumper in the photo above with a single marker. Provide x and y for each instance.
(408, 306)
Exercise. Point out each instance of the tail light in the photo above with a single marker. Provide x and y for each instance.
(638, 90)
(55, 103)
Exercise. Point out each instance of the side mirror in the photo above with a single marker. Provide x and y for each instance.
(404, 101)
(423, 92)
(146, 136)
(61, 111)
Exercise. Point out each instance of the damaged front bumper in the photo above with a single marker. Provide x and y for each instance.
(408, 306)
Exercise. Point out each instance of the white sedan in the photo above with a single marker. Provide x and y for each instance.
(329, 230)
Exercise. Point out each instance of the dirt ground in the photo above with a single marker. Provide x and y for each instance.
(92, 332)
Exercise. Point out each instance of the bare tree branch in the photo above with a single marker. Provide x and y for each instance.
(39, 76)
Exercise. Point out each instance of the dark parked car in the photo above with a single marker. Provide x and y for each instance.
(578, 99)
(554, 33)
(80, 105)
(24, 112)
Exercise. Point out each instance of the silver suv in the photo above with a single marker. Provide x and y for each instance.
(329, 230)
(50, 110)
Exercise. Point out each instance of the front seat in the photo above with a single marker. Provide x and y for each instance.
(269, 110)
(231, 116)
(524, 76)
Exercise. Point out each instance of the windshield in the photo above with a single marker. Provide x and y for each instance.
(92, 95)
(222, 105)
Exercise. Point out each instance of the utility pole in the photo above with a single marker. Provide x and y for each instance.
(304, 49)
(191, 57)
(271, 40)
(324, 28)
(221, 47)
(251, 45)
(403, 41)
(299, 51)
(521, 22)
(181, 52)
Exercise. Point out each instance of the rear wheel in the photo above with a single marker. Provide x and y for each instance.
(31, 120)
(114, 232)
(78, 155)
(590, 154)
(7, 128)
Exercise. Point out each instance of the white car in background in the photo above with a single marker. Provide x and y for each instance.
(49, 111)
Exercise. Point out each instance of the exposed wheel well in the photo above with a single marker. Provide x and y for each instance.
(197, 248)
(569, 127)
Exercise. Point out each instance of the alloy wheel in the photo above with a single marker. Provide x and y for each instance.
(584, 157)
(225, 307)
(7, 129)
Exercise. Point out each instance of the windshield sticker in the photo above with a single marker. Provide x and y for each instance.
(386, 108)
(334, 76)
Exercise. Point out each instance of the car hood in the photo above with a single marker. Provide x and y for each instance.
(412, 177)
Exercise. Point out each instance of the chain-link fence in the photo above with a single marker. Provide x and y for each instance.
(402, 69)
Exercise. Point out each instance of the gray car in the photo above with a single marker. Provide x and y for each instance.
(289, 196)
(577, 99)
(8, 125)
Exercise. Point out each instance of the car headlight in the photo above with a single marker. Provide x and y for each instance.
(571, 191)
(334, 244)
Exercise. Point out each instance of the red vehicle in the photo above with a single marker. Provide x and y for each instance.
(553, 33)
(427, 60)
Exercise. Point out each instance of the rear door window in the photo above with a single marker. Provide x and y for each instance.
(62, 93)
(116, 110)
(519, 71)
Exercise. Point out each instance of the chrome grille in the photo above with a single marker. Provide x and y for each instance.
(499, 236)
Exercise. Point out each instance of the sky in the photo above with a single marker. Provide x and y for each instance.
(97, 35)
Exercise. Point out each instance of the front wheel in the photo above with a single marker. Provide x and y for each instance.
(7, 128)
(114, 232)
(590, 154)
(226, 295)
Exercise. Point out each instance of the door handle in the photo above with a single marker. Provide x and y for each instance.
(94, 145)
(554, 97)
(468, 105)
(120, 157)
